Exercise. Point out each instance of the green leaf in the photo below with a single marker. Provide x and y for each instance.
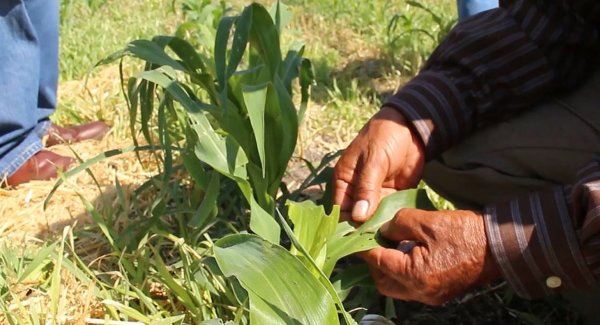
(243, 25)
(193, 165)
(284, 290)
(221, 41)
(263, 224)
(312, 227)
(291, 65)
(127, 311)
(281, 14)
(264, 38)
(39, 261)
(165, 78)
(324, 279)
(255, 99)
(281, 113)
(191, 59)
(209, 203)
(193, 62)
(349, 240)
(151, 52)
(349, 277)
(220, 152)
(413, 198)
(170, 282)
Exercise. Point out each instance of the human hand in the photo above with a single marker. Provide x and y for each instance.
(450, 256)
(385, 157)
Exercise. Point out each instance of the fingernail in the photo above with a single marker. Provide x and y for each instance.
(406, 246)
(360, 209)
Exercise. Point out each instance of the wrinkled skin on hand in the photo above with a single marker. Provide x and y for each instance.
(451, 256)
(385, 157)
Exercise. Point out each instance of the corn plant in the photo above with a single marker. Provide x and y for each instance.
(237, 114)
(233, 116)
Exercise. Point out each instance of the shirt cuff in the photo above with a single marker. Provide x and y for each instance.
(535, 244)
(433, 105)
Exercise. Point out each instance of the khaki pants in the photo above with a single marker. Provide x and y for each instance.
(542, 147)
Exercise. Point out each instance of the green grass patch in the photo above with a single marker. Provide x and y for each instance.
(92, 29)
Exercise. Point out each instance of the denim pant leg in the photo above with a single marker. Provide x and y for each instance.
(28, 77)
(468, 8)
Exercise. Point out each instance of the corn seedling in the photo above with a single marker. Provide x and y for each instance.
(232, 118)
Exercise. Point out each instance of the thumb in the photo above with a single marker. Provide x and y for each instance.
(367, 192)
(390, 262)
(405, 226)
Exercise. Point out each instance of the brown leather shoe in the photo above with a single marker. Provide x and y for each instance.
(42, 166)
(70, 134)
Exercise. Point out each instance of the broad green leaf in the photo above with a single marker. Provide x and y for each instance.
(220, 152)
(324, 279)
(281, 123)
(349, 240)
(255, 99)
(413, 198)
(276, 134)
(243, 25)
(221, 41)
(279, 279)
(263, 224)
(261, 312)
(312, 227)
(264, 38)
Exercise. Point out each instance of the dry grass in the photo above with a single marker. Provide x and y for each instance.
(25, 224)
(22, 207)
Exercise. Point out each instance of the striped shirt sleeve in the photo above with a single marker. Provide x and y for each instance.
(499, 62)
(549, 241)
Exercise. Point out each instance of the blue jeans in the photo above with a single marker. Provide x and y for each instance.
(468, 8)
(28, 77)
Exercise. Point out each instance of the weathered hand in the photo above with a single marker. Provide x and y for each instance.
(385, 157)
(451, 256)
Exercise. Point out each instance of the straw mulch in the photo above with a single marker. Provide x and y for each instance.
(22, 212)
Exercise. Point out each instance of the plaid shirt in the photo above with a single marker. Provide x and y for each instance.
(503, 61)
